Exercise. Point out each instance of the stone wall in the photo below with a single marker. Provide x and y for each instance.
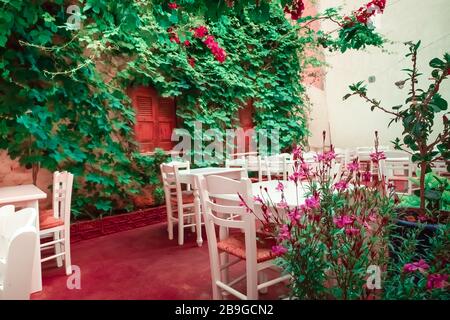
(12, 174)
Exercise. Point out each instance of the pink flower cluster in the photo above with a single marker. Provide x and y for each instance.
(284, 233)
(353, 166)
(312, 202)
(420, 265)
(200, 32)
(217, 51)
(326, 157)
(173, 5)
(295, 9)
(364, 13)
(341, 185)
(342, 221)
(377, 156)
(279, 250)
(437, 281)
(346, 222)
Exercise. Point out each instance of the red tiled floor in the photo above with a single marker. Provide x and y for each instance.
(137, 264)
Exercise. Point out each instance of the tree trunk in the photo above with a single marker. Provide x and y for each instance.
(423, 169)
(35, 171)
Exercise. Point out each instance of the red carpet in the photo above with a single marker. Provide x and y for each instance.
(137, 264)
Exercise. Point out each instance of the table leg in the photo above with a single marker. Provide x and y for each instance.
(198, 214)
(36, 279)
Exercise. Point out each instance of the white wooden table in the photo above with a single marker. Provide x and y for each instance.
(27, 196)
(191, 177)
(294, 196)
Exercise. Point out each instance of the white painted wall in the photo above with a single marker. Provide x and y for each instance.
(351, 122)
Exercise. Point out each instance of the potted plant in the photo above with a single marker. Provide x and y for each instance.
(418, 115)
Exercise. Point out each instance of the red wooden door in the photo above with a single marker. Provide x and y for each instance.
(155, 119)
(246, 116)
(246, 122)
(166, 122)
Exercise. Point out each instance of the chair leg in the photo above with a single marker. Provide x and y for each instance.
(252, 281)
(191, 220)
(169, 219)
(262, 277)
(58, 250)
(225, 274)
(67, 257)
(170, 225)
(180, 226)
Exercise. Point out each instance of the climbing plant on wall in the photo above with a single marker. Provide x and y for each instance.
(63, 102)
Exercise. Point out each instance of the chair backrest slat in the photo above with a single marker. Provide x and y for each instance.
(62, 195)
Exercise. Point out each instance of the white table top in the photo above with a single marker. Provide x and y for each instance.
(290, 193)
(28, 192)
(208, 170)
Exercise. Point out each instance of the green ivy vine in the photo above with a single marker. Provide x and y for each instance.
(63, 102)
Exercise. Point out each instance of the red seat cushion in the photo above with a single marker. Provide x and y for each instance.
(188, 197)
(235, 245)
(48, 221)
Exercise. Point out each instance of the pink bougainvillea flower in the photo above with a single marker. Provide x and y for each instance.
(341, 185)
(280, 186)
(173, 5)
(174, 38)
(191, 62)
(370, 9)
(377, 156)
(187, 43)
(210, 42)
(295, 9)
(420, 265)
(351, 231)
(312, 202)
(437, 281)
(218, 52)
(353, 166)
(279, 250)
(342, 221)
(200, 32)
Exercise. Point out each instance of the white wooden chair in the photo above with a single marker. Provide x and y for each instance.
(55, 222)
(277, 166)
(18, 237)
(242, 245)
(178, 201)
(440, 168)
(249, 161)
(397, 171)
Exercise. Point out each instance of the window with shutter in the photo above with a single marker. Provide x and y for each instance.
(155, 119)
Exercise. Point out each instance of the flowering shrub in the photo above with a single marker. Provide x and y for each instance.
(328, 241)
